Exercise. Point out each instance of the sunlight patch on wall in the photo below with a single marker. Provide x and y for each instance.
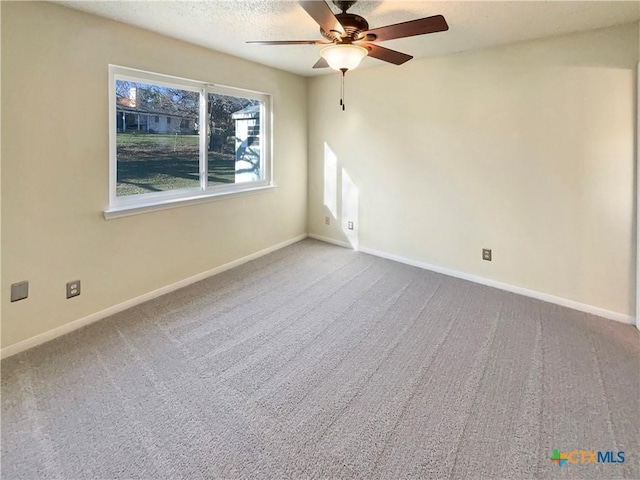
(350, 205)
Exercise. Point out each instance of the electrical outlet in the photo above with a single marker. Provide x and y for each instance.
(327, 220)
(350, 225)
(73, 289)
(19, 291)
(486, 254)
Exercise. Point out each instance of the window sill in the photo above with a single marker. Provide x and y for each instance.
(140, 208)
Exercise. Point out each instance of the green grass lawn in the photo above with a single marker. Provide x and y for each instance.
(155, 163)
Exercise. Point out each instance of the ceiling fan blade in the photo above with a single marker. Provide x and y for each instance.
(437, 23)
(386, 54)
(289, 42)
(322, 14)
(321, 63)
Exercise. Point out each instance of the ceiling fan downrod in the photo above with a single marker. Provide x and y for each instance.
(344, 5)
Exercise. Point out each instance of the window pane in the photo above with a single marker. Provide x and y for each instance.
(157, 138)
(234, 154)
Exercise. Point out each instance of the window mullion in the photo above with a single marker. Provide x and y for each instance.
(204, 125)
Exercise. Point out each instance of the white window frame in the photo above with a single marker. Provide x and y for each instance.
(141, 203)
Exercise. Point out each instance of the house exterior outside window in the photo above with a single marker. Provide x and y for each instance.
(174, 140)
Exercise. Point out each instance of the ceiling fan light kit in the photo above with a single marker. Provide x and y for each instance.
(349, 38)
(343, 56)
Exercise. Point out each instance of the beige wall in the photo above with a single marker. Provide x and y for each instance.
(527, 149)
(55, 170)
(637, 311)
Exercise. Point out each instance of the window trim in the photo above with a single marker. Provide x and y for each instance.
(142, 203)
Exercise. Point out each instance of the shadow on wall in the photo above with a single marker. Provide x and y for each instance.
(341, 199)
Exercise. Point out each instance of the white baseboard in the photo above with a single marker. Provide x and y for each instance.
(601, 312)
(94, 317)
(340, 243)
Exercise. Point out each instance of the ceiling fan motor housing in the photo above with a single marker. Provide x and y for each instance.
(354, 25)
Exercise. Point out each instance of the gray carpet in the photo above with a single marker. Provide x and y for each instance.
(317, 361)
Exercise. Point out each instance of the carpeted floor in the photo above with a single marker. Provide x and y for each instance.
(317, 361)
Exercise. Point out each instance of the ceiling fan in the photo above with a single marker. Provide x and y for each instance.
(348, 38)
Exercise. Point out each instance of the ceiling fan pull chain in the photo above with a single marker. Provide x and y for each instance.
(343, 70)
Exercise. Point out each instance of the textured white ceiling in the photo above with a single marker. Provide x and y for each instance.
(225, 26)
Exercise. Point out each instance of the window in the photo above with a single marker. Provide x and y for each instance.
(174, 140)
